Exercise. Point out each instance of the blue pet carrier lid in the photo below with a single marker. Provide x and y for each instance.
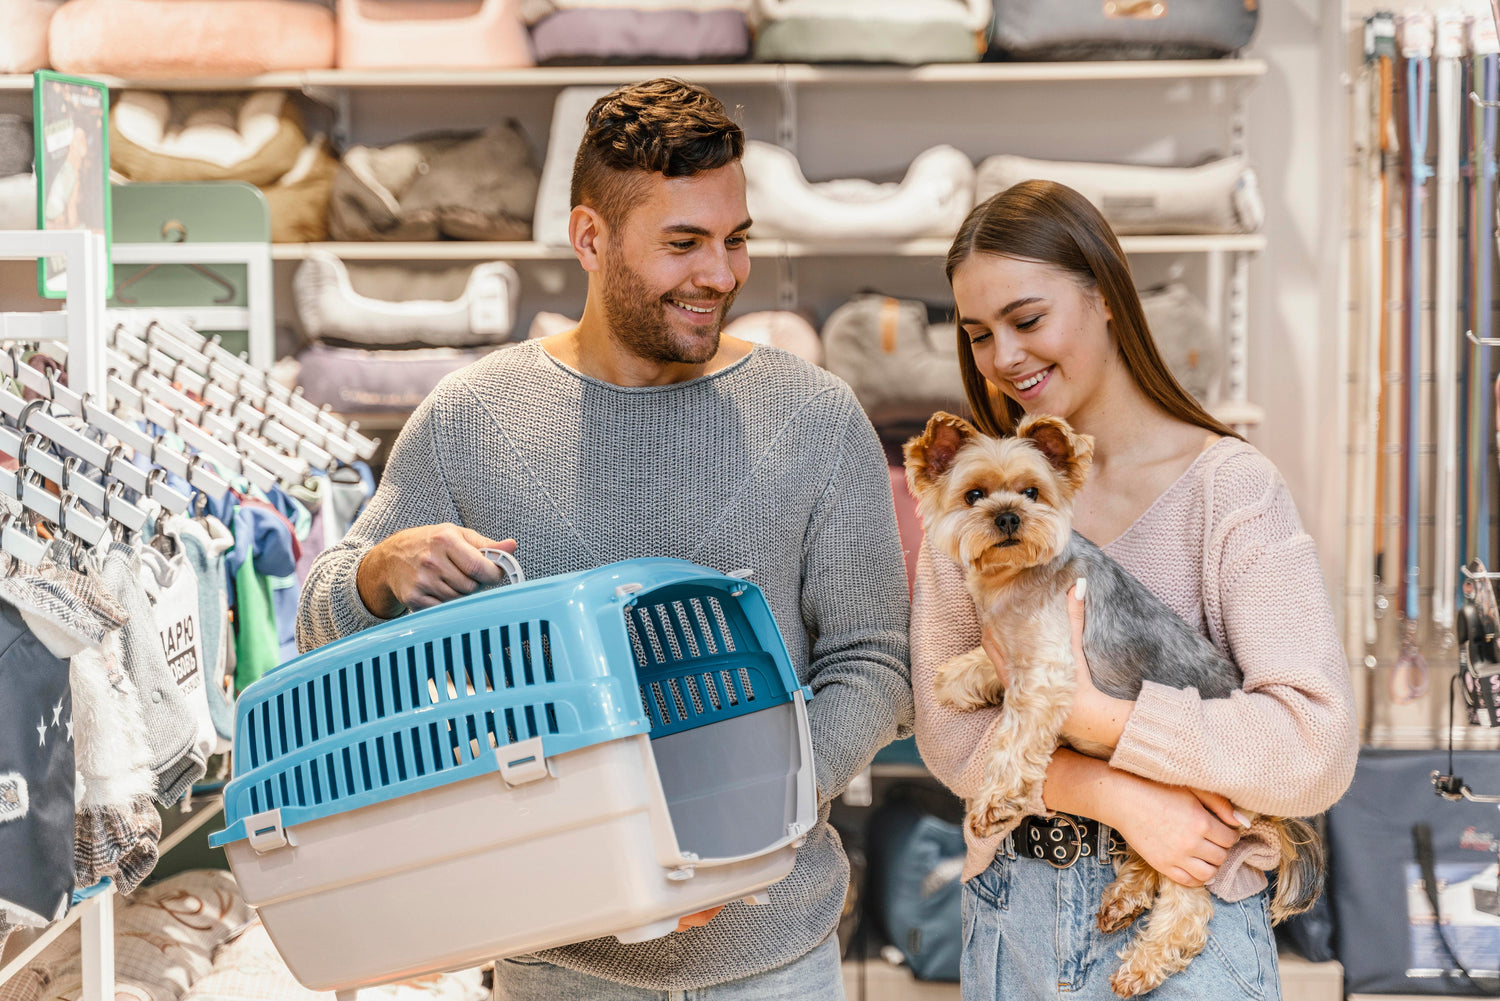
(645, 646)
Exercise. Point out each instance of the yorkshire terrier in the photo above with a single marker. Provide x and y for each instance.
(1002, 508)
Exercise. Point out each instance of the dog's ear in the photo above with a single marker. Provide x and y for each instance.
(931, 453)
(1069, 452)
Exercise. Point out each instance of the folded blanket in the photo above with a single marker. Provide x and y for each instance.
(23, 43)
(15, 145)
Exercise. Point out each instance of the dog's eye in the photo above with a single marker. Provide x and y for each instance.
(1030, 493)
(973, 497)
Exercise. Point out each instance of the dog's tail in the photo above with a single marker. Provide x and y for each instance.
(1299, 877)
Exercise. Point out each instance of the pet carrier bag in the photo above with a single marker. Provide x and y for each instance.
(597, 753)
(1122, 29)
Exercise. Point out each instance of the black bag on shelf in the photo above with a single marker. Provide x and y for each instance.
(1122, 29)
(915, 858)
(1387, 830)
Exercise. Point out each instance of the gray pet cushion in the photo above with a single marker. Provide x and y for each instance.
(462, 186)
(385, 306)
(1122, 29)
(621, 35)
(355, 381)
(15, 145)
(900, 367)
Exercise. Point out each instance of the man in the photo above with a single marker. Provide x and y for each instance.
(643, 432)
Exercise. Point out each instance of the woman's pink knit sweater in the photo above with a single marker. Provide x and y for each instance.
(1224, 548)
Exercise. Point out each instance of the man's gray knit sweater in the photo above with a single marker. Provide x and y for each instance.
(768, 463)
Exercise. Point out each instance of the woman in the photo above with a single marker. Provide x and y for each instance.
(1049, 321)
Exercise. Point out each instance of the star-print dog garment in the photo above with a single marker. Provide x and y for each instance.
(36, 776)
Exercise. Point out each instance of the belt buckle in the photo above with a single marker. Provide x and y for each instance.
(1051, 853)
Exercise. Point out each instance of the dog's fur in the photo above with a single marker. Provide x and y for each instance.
(1002, 508)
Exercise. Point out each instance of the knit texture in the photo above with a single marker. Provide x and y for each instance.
(1224, 548)
(768, 464)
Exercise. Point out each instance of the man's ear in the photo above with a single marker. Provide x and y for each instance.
(587, 233)
(930, 455)
(1068, 452)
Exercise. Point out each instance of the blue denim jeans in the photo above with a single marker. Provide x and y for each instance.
(817, 976)
(1029, 931)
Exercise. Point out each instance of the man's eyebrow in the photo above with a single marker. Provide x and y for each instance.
(691, 230)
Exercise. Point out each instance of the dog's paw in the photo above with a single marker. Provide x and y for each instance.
(960, 685)
(1134, 978)
(1117, 912)
(997, 816)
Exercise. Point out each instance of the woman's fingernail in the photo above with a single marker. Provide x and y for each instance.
(1244, 820)
(1080, 588)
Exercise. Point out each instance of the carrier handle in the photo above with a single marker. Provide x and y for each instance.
(506, 562)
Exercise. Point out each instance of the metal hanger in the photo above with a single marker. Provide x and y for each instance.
(230, 290)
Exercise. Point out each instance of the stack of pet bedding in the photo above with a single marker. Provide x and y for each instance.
(872, 31)
(17, 182)
(192, 38)
(930, 201)
(384, 335)
(588, 32)
(1220, 196)
(1121, 29)
(457, 186)
(192, 937)
(253, 136)
(431, 34)
(23, 43)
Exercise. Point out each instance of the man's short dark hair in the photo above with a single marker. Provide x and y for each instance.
(659, 126)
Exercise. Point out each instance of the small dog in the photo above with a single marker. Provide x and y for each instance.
(1002, 508)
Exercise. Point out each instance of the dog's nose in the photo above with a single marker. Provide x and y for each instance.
(1008, 522)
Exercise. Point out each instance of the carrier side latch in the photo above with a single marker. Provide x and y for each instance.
(522, 762)
(265, 833)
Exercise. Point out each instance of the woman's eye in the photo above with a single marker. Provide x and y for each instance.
(976, 338)
(973, 497)
(1029, 323)
(1030, 493)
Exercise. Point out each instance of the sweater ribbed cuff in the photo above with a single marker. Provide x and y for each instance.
(349, 612)
(1154, 730)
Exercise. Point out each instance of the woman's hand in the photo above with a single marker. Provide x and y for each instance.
(1095, 718)
(1184, 834)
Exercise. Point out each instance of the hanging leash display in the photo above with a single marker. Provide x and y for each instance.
(1479, 406)
(1414, 29)
(1383, 30)
(1447, 335)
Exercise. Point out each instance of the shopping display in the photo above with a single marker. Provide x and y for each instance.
(399, 34)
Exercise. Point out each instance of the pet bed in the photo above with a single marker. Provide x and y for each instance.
(298, 199)
(355, 381)
(779, 328)
(932, 200)
(1186, 339)
(554, 200)
(23, 43)
(1217, 197)
(191, 38)
(254, 137)
(435, 34)
(18, 201)
(609, 34)
(464, 186)
(1122, 29)
(411, 308)
(901, 362)
(15, 145)
(882, 31)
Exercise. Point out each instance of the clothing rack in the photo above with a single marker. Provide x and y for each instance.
(127, 367)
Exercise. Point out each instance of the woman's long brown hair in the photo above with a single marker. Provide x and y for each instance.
(1051, 223)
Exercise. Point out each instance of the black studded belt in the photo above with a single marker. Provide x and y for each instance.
(1062, 839)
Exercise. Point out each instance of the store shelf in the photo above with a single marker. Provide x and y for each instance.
(51, 933)
(731, 73)
(464, 250)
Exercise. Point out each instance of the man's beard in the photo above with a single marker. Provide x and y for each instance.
(639, 320)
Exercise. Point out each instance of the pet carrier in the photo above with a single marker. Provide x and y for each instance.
(598, 753)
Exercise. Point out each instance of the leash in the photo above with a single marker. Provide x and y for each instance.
(1384, 32)
(1409, 676)
(1479, 415)
(1447, 334)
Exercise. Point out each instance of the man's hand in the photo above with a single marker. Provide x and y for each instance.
(700, 919)
(425, 566)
